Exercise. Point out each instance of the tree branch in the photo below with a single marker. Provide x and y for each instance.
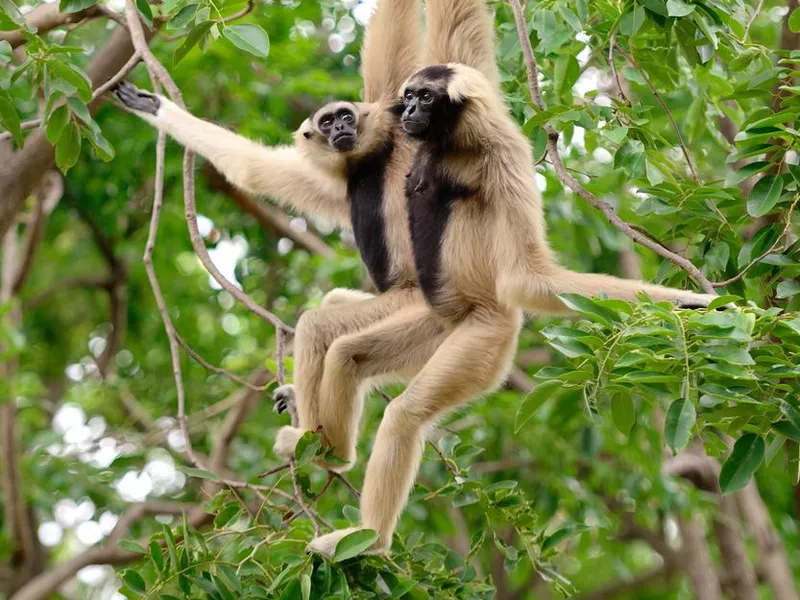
(558, 165)
(47, 17)
(630, 586)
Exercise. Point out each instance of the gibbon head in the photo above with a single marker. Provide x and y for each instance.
(335, 125)
(430, 107)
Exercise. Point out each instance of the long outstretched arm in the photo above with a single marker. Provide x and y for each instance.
(539, 294)
(392, 48)
(461, 31)
(281, 173)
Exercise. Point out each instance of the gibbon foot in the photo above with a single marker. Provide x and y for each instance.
(137, 99)
(326, 544)
(286, 444)
(286, 441)
(284, 398)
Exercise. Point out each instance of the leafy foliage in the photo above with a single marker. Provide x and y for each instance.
(522, 491)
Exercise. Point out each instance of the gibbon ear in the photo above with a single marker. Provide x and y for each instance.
(307, 134)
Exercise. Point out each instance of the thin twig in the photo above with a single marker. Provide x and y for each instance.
(632, 62)
(218, 370)
(347, 484)
(298, 497)
(552, 148)
(612, 64)
(783, 236)
(753, 18)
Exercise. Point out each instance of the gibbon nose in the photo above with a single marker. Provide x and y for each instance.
(338, 126)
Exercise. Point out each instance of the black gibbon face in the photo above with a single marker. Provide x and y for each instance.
(340, 127)
(428, 112)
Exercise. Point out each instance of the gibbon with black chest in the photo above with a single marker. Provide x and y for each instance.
(481, 254)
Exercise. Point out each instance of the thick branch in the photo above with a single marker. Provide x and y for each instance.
(703, 472)
(46, 17)
(629, 587)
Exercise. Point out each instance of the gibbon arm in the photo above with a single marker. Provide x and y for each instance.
(461, 31)
(282, 173)
(538, 295)
(391, 49)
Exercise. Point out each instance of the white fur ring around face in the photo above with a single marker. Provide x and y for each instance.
(286, 441)
(326, 544)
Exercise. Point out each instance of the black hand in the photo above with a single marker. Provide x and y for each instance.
(137, 99)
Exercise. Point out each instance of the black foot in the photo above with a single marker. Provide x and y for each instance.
(284, 398)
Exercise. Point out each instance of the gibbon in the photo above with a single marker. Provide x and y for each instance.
(481, 254)
(349, 163)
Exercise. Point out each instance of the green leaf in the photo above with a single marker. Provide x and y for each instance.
(630, 157)
(305, 586)
(787, 429)
(184, 16)
(147, 14)
(623, 412)
(562, 534)
(747, 171)
(657, 6)
(570, 348)
(354, 544)
(792, 413)
(73, 76)
(765, 195)
(248, 37)
(722, 301)
(134, 581)
(56, 124)
(68, 148)
(588, 307)
(70, 6)
(534, 401)
(679, 8)
(746, 457)
(539, 140)
(199, 473)
(9, 117)
(788, 288)
(567, 71)
(631, 22)
(681, 417)
(292, 591)
(195, 35)
(794, 21)
(5, 50)
(307, 447)
(13, 13)
(157, 556)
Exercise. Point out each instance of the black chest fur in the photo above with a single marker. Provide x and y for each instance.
(430, 194)
(365, 191)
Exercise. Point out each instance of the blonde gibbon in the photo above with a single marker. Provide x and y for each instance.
(481, 254)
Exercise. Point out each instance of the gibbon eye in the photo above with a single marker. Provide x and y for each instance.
(409, 96)
(326, 123)
(347, 118)
(427, 97)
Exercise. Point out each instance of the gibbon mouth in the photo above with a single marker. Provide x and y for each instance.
(344, 142)
(414, 126)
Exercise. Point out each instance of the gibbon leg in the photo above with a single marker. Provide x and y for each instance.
(538, 295)
(473, 360)
(342, 296)
(315, 332)
(399, 344)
